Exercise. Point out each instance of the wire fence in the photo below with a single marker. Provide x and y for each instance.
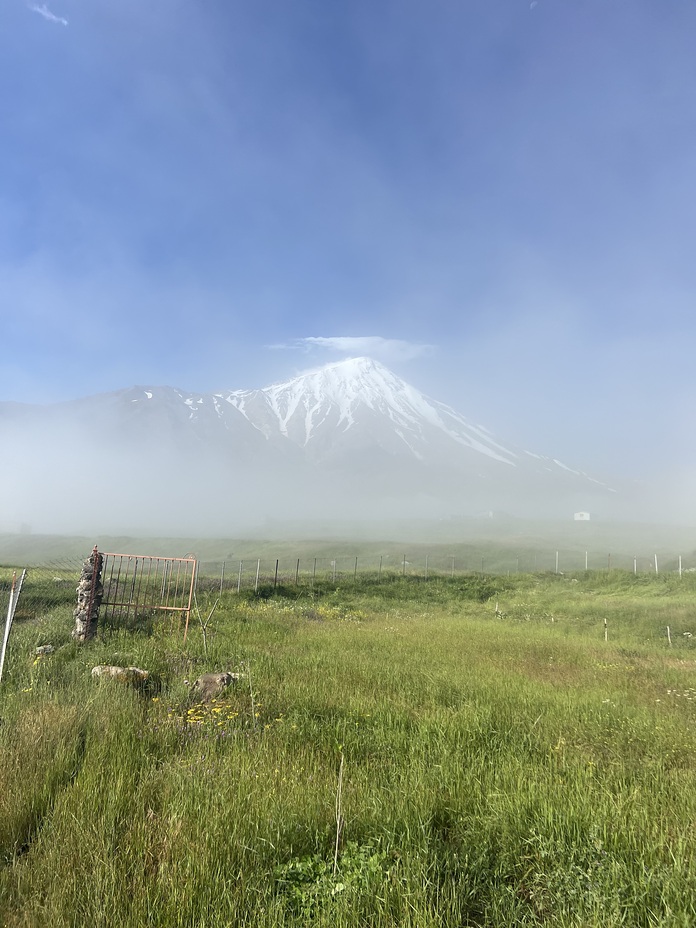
(260, 573)
(46, 587)
(52, 585)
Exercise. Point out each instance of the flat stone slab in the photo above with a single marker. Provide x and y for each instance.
(129, 675)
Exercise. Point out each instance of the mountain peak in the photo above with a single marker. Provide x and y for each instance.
(341, 373)
(360, 396)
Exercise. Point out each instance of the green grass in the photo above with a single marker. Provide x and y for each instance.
(502, 764)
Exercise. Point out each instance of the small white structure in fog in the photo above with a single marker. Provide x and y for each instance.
(582, 517)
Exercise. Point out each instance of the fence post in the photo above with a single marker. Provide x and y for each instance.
(239, 577)
(89, 597)
(258, 569)
(11, 606)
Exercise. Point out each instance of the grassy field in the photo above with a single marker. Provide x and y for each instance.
(474, 751)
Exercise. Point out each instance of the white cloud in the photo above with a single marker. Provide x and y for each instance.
(374, 346)
(44, 11)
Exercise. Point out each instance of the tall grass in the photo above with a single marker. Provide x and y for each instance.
(502, 763)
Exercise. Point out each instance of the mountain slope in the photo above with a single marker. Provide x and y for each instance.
(348, 438)
(360, 404)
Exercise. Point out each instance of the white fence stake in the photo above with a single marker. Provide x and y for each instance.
(11, 607)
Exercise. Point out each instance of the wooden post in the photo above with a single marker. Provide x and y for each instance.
(635, 565)
(585, 560)
(403, 571)
(680, 565)
(333, 576)
(556, 561)
(606, 630)
(669, 637)
(258, 568)
(355, 572)
(239, 577)
(297, 572)
(379, 576)
(275, 578)
(656, 570)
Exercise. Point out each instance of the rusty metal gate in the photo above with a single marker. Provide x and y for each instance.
(137, 585)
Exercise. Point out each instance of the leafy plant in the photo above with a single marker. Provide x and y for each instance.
(310, 883)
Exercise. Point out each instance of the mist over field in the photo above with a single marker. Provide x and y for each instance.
(72, 479)
(492, 200)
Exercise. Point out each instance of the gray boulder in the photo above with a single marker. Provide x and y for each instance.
(210, 685)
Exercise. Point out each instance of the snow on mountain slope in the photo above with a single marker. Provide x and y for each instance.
(347, 438)
(354, 412)
(356, 400)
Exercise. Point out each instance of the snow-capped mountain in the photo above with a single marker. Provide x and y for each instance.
(347, 435)
(326, 410)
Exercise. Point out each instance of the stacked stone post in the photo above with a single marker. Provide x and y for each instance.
(89, 596)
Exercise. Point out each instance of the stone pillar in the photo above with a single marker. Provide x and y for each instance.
(89, 597)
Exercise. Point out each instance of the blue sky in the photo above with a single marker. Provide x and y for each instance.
(499, 195)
